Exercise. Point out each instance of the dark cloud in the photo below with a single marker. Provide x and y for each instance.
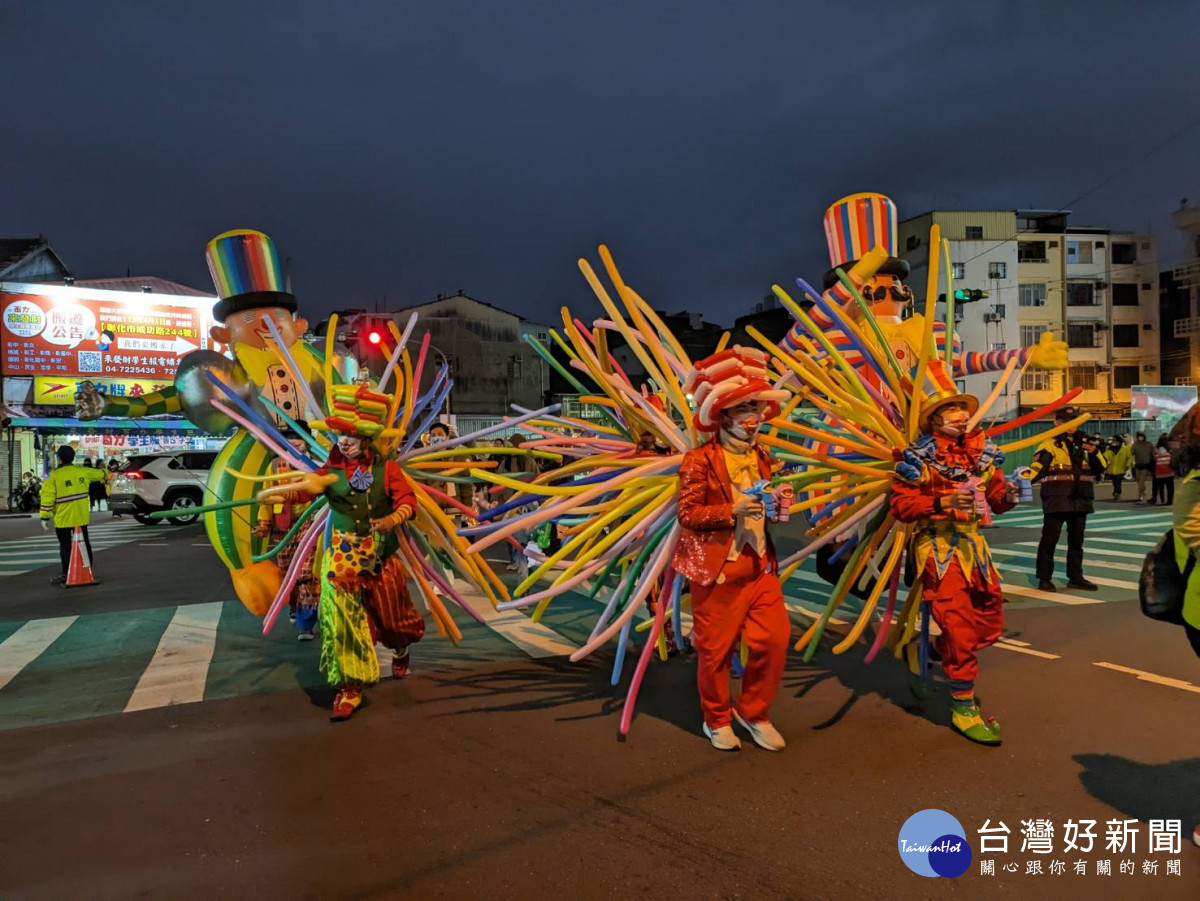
(399, 150)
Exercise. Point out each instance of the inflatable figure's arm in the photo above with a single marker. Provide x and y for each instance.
(92, 404)
(1048, 353)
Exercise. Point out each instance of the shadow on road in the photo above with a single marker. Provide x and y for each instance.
(1146, 791)
(668, 690)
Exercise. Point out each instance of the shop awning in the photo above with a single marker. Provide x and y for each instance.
(70, 424)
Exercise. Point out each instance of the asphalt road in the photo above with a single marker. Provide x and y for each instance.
(494, 770)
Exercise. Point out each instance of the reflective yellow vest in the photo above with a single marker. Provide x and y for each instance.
(65, 495)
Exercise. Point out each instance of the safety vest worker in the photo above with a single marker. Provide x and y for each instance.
(65, 493)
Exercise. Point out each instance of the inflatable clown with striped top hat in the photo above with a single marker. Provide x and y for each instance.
(862, 231)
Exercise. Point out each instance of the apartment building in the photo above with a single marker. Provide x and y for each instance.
(983, 257)
(1180, 293)
(1097, 288)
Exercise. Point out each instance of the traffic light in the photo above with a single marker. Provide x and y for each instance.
(965, 295)
(374, 336)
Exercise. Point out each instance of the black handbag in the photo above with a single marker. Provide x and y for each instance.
(1161, 586)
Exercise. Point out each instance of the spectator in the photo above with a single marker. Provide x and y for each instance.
(113, 466)
(1143, 465)
(65, 503)
(1164, 473)
(1119, 461)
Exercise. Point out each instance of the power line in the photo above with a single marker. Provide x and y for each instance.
(1066, 208)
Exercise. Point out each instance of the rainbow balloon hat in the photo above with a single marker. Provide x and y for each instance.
(357, 410)
(857, 224)
(246, 272)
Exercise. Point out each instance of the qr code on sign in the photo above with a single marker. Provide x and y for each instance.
(91, 361)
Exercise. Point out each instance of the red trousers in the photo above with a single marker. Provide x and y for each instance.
(394, 620)
(970, 616)
(749, 602)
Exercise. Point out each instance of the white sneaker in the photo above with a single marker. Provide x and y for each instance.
(764, 734)
(723, 738)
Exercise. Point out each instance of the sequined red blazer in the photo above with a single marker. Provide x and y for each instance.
(706, 512)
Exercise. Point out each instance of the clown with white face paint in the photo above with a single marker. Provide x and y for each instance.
(725, 550)
(948, 482)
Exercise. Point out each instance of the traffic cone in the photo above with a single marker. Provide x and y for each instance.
(79, 571)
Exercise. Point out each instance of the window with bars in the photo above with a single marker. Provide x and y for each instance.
(1081, 294)
(1081, 334)
(1082, 375)
(1031, 334)
(1123, 253)
(1032, 294)
(959, 271)
(997, 270)
(1031, 251)
(974, 232)
(1185, 380)
(1037, 380)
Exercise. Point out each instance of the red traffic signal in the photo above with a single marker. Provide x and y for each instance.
(374, 336)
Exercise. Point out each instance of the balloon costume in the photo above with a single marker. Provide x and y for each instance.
(948, 484)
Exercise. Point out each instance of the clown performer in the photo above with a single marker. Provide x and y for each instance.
(725, 550)
(862, 233)
(272, 368)
(948, 484)
(364, 595)
(275, 523)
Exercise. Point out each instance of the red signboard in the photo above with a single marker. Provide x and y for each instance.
(81, 333)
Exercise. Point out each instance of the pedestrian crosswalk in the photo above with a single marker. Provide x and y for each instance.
(20, 555)
(1117, 541)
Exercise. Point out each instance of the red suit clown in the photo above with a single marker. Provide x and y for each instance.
(948, 482)
(725, 550)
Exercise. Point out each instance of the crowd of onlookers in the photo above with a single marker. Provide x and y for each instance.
(1152, 467)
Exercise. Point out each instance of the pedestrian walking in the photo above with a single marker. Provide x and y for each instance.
(65, 495)
(1119, 461)
(1164, 473)
(1143, 466)
(1066, 466)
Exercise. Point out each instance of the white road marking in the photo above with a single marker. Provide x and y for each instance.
(1061, 558)
(179, 669)
(1069, 600)
(515, 627)
(1009, 646)
(1151, 677)
(26, 644)
(1093, 552)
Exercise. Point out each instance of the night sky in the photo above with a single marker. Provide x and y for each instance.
(398, 150)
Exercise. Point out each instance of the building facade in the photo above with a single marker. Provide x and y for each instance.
(1180, 293)
(983, 257)
(1094, 287)
(492, 366)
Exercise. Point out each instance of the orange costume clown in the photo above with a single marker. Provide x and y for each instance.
(949, 483)
(725, 550)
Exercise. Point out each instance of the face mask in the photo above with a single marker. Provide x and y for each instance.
(954, 423)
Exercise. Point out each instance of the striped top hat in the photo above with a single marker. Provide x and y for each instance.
(245, 270)
(857, 224)
(944, 392)
(728, 378)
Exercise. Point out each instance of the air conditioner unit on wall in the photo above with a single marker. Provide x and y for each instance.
(1102, 326)
(1149, 367)
(1147, 326)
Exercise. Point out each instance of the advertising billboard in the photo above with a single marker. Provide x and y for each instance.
(1164, 404)
(67, 332)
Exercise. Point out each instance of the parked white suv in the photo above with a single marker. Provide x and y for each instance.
(166, 481)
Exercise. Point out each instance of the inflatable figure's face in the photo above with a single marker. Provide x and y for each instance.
(249, 327)
(887, 295)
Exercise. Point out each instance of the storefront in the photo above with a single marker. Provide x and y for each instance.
(128, 343)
